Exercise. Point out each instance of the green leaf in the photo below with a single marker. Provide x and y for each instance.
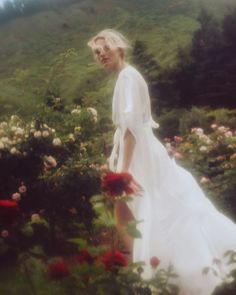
(80, 242)
(27, 230)
(132, 230)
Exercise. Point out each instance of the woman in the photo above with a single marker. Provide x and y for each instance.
(179, 224)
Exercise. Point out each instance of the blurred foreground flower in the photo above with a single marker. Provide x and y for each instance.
(9, 211)
(117, 184)
(154, 262)
(58, 270)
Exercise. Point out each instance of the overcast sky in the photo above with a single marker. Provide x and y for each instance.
(1, 1)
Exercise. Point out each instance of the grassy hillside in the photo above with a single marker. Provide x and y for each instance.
(34, 50)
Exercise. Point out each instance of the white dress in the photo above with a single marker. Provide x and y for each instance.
(180, 225)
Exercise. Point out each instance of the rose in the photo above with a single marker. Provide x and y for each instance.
(154, 262)
(56, 141)
(22, 189)
(16, 197)
(204, 180)
(9, 211)
(203, 148)
(113, 260)
(45, 133)
(35, 217)
(178, 139)
(84, 257)
(37, 134)
(117, 184)
(4, 233)
(49, 161)
(58, 270)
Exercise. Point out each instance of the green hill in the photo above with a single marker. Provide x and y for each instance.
(48, 50)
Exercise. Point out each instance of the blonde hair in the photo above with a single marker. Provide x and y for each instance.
(113, 38)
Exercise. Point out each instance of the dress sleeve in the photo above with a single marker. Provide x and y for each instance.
(131, 110)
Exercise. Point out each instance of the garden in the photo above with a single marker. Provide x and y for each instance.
(57, 201)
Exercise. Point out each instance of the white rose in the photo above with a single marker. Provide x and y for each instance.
(13, 151)
(94, 113)
(204, 180)
(50, 161)
(37, 134)
(45, 133)
(16, 197)
(71, 137)
(203, 148)
(5, 140)
(13, 128)
(228, 134)
(35, 217)
(3, 124)
(19, 131)
(56, 141)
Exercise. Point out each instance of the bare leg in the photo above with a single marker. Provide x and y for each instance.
(123, 216)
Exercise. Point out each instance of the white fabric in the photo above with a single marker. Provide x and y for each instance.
(180, 225)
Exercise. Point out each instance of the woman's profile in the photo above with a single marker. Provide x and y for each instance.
(179, 223)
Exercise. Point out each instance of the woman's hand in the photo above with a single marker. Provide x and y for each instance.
(136, 187)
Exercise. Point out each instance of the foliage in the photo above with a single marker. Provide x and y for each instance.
(211, 156)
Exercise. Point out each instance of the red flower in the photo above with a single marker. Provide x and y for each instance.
(58, 270)
(116, 184)
(154, 261)
(9, 211)
(84, 257)
(113, 260)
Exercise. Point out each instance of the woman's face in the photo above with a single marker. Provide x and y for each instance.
(108, 57)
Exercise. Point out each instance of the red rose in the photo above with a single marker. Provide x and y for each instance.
(9, 211)
(84, 257)
(58, 270)
(154, 261)
(116, 184)
(114, 259)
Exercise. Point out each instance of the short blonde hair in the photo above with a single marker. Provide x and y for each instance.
(113, 38)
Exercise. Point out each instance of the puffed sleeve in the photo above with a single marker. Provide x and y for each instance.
(130, 101)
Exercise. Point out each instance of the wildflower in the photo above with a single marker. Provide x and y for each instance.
(113, 260)
(93, 112)
(117, 184)
(154, 262)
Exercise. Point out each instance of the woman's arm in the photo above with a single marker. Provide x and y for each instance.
(129, 144)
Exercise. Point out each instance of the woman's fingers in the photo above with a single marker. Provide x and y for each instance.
(136, 187)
